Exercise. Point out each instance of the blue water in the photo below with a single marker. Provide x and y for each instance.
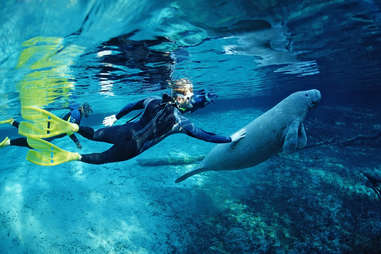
(252, 54)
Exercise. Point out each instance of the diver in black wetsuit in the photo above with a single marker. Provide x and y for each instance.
(74, 116)
(161, 118)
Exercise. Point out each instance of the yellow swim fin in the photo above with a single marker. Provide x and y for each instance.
(10, 121)
(45, 124)
(5, 142)
(47, 154)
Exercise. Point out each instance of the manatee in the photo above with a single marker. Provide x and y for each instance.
(278, 129)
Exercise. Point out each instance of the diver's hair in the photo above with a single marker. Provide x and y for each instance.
(86, 108)
(181, 86)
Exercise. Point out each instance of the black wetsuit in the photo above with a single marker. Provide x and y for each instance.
(74, 116)
(160, 119)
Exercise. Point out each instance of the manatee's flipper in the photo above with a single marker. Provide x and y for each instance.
(47, 154)
(189, 174)
(372, 178)
(45, 124)
(291, 137)
(374, 182)
(178, 160)
(302, 136)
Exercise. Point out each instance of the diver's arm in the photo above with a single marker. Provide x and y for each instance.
(76, 141)
(110, 120)
(190, 129)
(15, 124)
(74, 116)
(200, 99)
(130, 107)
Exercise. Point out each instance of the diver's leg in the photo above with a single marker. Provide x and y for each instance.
(86, 132)
(114, 154)
(55, 137)
(15, 124)
(19, 142)
(23, 141)
(112, 135)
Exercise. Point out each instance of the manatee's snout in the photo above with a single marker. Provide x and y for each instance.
(314, 96)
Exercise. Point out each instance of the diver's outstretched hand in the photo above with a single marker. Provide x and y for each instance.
(210, 97)
(238, 136)
(109, 120)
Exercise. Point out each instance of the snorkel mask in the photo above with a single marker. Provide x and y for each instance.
(184, 102)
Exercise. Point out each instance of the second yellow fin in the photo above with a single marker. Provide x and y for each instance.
(47, 154)
(45, 124)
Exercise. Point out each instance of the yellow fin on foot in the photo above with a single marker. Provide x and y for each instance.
(47, 154)
(45, 124)
(10, 121)
(5, 142)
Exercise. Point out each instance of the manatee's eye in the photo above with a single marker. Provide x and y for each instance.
(306, 94)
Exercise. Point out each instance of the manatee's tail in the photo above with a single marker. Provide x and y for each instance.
(189, 174)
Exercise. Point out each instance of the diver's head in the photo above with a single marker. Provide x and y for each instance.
(182, 92)
(188, 100)
(86, 110)
(181, 86)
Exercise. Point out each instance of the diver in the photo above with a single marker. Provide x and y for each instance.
(74, 116)
(160, 118)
